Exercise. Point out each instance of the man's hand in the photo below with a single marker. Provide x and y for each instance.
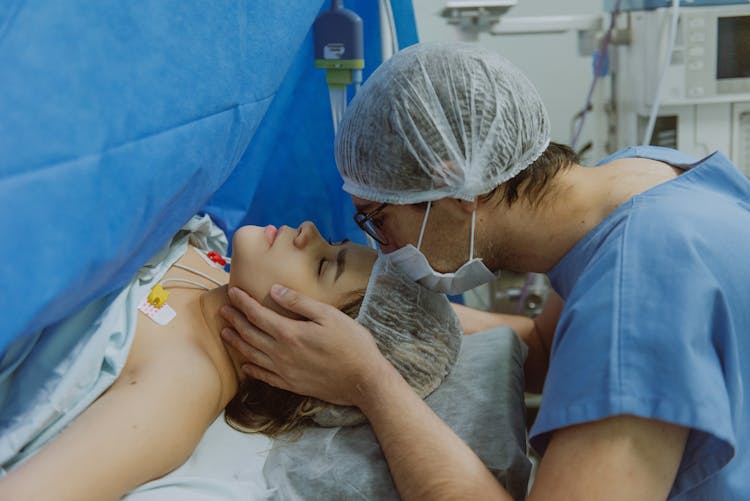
(330, 356)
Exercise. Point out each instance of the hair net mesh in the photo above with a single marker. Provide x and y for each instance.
(415, 329)
(440, 120)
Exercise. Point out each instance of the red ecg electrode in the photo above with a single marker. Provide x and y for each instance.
(216, 258)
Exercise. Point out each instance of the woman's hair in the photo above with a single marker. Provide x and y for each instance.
(261, 408)
(534, 181)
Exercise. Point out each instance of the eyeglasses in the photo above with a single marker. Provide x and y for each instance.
(365, 222)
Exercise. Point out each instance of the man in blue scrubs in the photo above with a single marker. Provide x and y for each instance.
(643, 353)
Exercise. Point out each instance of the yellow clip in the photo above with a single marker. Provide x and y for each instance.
(158, 296)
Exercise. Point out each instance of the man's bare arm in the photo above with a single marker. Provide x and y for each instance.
(619, 458)
(536, 333)
(426, 458)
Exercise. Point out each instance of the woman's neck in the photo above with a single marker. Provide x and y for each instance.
(211, 302)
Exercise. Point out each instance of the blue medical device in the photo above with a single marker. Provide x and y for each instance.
(339, 45)
(339, 49)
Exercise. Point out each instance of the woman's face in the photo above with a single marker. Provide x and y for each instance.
(301, 259)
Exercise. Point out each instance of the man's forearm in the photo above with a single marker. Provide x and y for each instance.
(537, 359)
(427, 460)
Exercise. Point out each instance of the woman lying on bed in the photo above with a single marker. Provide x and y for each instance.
(179, 377)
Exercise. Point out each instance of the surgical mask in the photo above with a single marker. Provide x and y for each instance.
(414, 264)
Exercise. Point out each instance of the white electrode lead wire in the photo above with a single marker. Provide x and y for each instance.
(199, 273)
(185, 280)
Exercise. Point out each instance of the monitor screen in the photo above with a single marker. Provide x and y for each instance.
(733, 47)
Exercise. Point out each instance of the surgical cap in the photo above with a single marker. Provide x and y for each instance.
(415, 329)
(440, 120)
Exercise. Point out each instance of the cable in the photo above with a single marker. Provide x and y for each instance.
(192, 282)
(655, 106)
(392, 25)
(529, 279)
(598, 68)
(388, 35)
(185, 280)
(201, 274)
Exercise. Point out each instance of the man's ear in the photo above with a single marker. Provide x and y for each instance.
(468, 206)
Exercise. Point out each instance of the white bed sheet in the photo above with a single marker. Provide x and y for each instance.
(227, 465)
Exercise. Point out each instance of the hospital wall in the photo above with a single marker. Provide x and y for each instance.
(551, 61)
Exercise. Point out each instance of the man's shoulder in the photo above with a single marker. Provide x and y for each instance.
(668, 155)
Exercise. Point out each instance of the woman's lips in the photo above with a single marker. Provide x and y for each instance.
(270, 232)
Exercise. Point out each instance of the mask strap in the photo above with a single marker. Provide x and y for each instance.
(424, 225)
(473, 225)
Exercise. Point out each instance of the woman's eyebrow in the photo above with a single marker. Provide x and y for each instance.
(340, 263)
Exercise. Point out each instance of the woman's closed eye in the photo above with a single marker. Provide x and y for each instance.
(322, 265)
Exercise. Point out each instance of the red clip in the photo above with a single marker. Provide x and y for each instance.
(216, 258)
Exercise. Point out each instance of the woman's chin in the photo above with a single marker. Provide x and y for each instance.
(247, 239)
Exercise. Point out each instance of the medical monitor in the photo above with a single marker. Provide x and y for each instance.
(717, 51)
(703, 91)
(733, 47)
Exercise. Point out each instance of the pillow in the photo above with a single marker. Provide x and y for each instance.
(482, 400)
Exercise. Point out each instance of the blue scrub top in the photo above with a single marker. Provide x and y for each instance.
(656, 322)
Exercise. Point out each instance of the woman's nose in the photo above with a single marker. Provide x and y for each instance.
(306, 234)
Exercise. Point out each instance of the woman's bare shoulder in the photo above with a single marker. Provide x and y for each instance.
(186, 347)
(145, 425)
(179, 367)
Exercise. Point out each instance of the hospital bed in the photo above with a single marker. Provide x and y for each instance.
(68, 366)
